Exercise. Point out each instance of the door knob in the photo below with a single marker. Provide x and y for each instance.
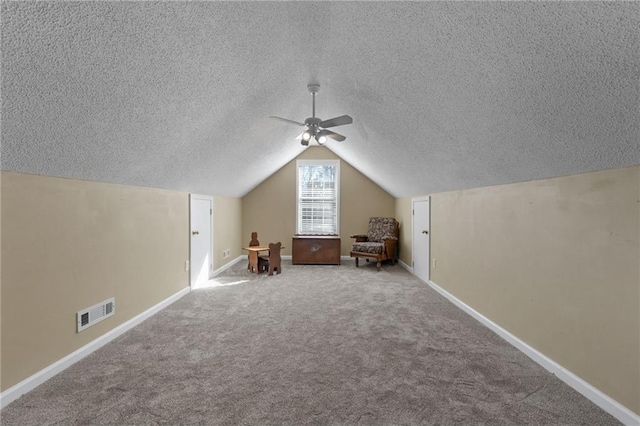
(425, 232)
(195, 232)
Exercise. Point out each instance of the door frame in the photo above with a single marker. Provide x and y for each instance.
(210, 199)
(413, 239)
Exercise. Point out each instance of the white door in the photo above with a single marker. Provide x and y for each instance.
(421, 238)
(201, 263)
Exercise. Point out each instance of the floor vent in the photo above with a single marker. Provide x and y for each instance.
(89, 316)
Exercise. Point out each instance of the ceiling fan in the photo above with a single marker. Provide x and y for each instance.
(317, 128)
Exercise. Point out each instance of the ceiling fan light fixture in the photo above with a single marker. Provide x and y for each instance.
(321, 139)
(306, 136)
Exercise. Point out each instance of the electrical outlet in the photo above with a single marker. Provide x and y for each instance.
(434, 263)
(186, 266)
(226, 253)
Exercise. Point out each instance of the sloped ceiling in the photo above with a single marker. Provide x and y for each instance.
(444, 95)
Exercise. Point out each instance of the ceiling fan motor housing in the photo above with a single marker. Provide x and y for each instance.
(312, 122)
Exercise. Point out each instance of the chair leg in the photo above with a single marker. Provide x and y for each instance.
(378, 265)
(275, 269)
(263, 265)
(357, 262)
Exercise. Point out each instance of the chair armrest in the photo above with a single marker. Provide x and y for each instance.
(360, 238)
(389, 237)
(390, 244)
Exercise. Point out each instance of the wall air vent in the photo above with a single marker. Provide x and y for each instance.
(89, 316)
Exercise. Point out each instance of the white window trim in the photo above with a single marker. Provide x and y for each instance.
(335, 163)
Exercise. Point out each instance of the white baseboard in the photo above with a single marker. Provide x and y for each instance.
(405, 266)
(599, 398)
(228, 265)
(288, 257)
(283, 256)
(45, 374)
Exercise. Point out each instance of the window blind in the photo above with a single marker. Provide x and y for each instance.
(318, 198)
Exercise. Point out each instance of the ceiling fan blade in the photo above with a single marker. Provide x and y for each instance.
(337, 121)
(333, 135)
(287, 120)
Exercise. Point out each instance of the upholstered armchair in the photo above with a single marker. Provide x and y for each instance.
(379, 243)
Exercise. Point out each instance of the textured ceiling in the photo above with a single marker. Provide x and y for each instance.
(444, 95)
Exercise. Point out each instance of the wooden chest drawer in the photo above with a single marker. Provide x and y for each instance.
(315, 250)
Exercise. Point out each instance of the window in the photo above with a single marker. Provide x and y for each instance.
(318, 195)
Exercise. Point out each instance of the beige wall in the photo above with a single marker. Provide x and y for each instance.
(404, 207)
(67, 245)
(270, 208)
(227, 229)
(556, 263)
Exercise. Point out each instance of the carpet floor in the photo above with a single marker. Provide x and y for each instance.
(314, 345)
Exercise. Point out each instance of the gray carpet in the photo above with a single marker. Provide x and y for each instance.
(315, 345)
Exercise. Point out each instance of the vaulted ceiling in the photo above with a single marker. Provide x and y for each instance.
(444, 95)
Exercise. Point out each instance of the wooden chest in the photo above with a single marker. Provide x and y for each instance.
(315, 250)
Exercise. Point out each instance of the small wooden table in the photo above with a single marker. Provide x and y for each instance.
(254, 252)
